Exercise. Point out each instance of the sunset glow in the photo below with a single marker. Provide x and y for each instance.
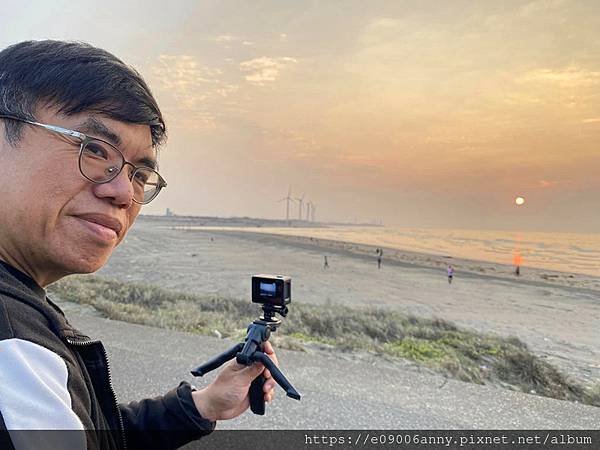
(404, 113)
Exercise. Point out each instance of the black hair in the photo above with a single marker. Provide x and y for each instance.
(74, 77)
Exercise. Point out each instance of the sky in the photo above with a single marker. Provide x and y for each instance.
(409, 113)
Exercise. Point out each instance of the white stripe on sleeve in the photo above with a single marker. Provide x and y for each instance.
(34, 396)
(33, 388)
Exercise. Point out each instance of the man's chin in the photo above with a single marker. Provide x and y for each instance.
(85, 265)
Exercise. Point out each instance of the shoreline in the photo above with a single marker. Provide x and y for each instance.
(469, 268)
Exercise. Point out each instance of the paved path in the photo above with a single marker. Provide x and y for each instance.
(339, 392)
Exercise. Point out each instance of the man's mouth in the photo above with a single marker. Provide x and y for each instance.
(102, 223)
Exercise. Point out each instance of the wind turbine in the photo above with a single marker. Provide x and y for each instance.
(300, 201)
(313, 211)
(308, 206)
(287, 206)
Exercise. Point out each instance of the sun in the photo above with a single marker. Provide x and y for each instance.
(519, 201)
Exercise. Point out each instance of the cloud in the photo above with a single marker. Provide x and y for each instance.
(569, 77)
(227, 89)
(536, 7)
(547, 184)
(384, 22)
(225, 38)
(262, 70)
(305, 145)
(230, 39)
(194, 92)
(591, 120)
(183, 71)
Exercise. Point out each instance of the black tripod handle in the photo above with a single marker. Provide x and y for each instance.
(257, 396)
(217, 361)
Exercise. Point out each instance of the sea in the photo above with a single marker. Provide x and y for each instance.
(564, 252)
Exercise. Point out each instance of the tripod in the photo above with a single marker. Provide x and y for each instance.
(252, 350)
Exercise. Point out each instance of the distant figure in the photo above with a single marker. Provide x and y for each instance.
(379, 256)
(450, 272)
(517, 260)
(325, 263)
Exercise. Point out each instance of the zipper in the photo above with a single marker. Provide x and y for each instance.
(114, 395)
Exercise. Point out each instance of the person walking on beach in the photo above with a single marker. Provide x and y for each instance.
(450, 272)
(379, 256)
(325, 263)
(79, 136)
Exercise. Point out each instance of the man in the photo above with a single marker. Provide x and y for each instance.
(79, 132)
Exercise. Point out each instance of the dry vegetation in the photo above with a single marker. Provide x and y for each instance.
(436, 344)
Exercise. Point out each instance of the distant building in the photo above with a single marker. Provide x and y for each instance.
(168, 212)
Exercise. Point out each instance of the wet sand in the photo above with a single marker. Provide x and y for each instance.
(558, 319)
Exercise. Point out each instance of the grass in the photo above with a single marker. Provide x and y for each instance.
(433, 343)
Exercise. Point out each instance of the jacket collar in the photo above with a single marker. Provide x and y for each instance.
(23, 279)
(23, 288)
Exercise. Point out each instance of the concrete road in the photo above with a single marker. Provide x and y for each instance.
(338, 391)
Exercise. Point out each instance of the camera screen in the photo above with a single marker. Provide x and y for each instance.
(268, 289)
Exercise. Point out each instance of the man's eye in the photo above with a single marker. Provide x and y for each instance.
(141, 176)
(95, 150)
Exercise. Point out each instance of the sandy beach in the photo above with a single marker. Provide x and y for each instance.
(558, 315)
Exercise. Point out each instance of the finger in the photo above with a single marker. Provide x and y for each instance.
(270, 352)
(268, 349)
(269, 386)
(235, 366)
(267, 373)
(256, 369)
(251, 371)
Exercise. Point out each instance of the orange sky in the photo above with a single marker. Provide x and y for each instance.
(417, 113)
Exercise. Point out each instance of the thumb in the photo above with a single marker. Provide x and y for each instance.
(236, 366)
(254, 370)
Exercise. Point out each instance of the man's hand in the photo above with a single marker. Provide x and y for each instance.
(227, 396)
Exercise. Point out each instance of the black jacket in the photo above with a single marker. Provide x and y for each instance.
(54, 377)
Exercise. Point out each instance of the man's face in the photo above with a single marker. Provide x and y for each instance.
(53, 221)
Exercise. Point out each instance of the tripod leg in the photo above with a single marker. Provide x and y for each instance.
(277, 375)
(217, 361)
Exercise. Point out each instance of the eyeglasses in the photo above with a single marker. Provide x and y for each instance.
(101, 162)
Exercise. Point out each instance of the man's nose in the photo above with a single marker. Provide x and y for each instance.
(119, 190)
